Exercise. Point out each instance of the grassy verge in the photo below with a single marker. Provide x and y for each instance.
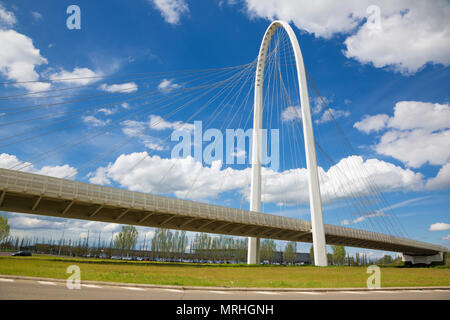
(220, 275)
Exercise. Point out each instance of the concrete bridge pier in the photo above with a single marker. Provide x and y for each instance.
(417, 260)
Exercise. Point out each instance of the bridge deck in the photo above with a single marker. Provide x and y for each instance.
(49, 196)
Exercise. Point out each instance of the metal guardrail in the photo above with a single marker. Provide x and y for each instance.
(50, 187)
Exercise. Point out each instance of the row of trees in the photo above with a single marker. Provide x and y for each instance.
(340, 258)
(335, 258)
(165, 244)
(173, 245)
(268, 251)
(126, 240)
(169, 245)
(206, 247)
(4, 228)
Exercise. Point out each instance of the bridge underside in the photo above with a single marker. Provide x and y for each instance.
(42, 195)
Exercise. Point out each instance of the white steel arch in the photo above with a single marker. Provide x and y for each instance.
(315, 202)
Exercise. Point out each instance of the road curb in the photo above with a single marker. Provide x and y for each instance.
(203, 288)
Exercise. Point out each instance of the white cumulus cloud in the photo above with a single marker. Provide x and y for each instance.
(291, 114)
(9, 161)
(171, 10)
(141, 172)
(123, 87)
(323, 18)
(442, 179)
(407, 40)
(372, 123)
(417, 133)
(439, 226)
(78, 76)
(167, 85)
(7, 18)
(411, 33)
(23, 222)
(331, 113)
(158, 123)
(19, 59)
(94, 121)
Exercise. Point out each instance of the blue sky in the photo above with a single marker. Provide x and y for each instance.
(386, 82)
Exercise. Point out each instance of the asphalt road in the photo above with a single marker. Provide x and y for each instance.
(43, 290)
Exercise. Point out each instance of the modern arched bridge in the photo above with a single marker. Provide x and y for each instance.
(42, 195)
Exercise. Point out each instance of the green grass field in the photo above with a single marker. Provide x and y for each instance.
(220, 275)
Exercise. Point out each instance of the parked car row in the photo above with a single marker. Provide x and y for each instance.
(128, 258)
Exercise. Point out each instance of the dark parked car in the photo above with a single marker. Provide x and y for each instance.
(22, 254)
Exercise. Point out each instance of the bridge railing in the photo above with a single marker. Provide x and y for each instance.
(39, 185)
(85, 192)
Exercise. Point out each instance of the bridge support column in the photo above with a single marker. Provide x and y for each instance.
(315, 201)
(255, 188)
(423, 260)
(253, 251)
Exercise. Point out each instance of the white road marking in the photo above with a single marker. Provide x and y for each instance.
(132, 288)
(266, 292)
(429, 291)
(308, 292)
(90, 286)
(174, 290)
(6, 280)
(353, 292)
(380, 291)
(220, 292)
(47, 283)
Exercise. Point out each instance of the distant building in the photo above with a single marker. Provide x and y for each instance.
(302, 258)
